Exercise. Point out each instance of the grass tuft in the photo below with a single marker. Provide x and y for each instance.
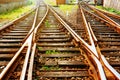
(112, 10)
(51, 2)
(10, 15)
(67, 8)
(51, 52)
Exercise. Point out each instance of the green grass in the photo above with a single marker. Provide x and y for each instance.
(39, 48)
(51, 2)
(47, 24)
(51, 52)
(67, 8)
(109, 9)
(50, 68)
(72, 1)
(10, 15)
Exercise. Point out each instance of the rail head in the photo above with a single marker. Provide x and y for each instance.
(6, 69)
(31, 37)
(88, 48)
(102, 11)
(116, 28)
(100, 69)
(104, 16)
(30, 68)
(33, 26)
(110, 68)
(90, 33)
(108, 13)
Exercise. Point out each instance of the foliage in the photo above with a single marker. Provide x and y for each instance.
(72, 1)
(47, 24)
(51, 2)
(51, 52)
(109, 9)
(15, 13)
(50, 68)
(39, 48)
(67, 8)
(45, 68)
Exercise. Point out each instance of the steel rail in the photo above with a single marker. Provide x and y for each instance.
(95, 55)
(30, 69)
(116, 28)
(92, 33)
(101, 14)
(25, 64)
(4, 72)
(107, 65)
(33, 26)
(105, 17)
(108, 13)
(116, 25)
(86, 46)
(29, 44)
(90, 36)
(34, 47)
(114, 72)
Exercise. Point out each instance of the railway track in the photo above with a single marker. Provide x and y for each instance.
(13, 48)
(52, 50)
(106, 35)
(57, 57)
(56, 53)
(114, 17)
(12, 37)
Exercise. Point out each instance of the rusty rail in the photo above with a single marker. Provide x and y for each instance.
(34, 47)
(92, 33)
(106, 64)
(110, 21)
(89, 48)
(113, 71)
(108, 13)
(29, 44)
(89, 33)
(26, 43)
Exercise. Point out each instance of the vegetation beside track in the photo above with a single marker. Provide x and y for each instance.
(109, 9)
(13, 14)
(51, 2)
(67, 8)
(10, 15)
